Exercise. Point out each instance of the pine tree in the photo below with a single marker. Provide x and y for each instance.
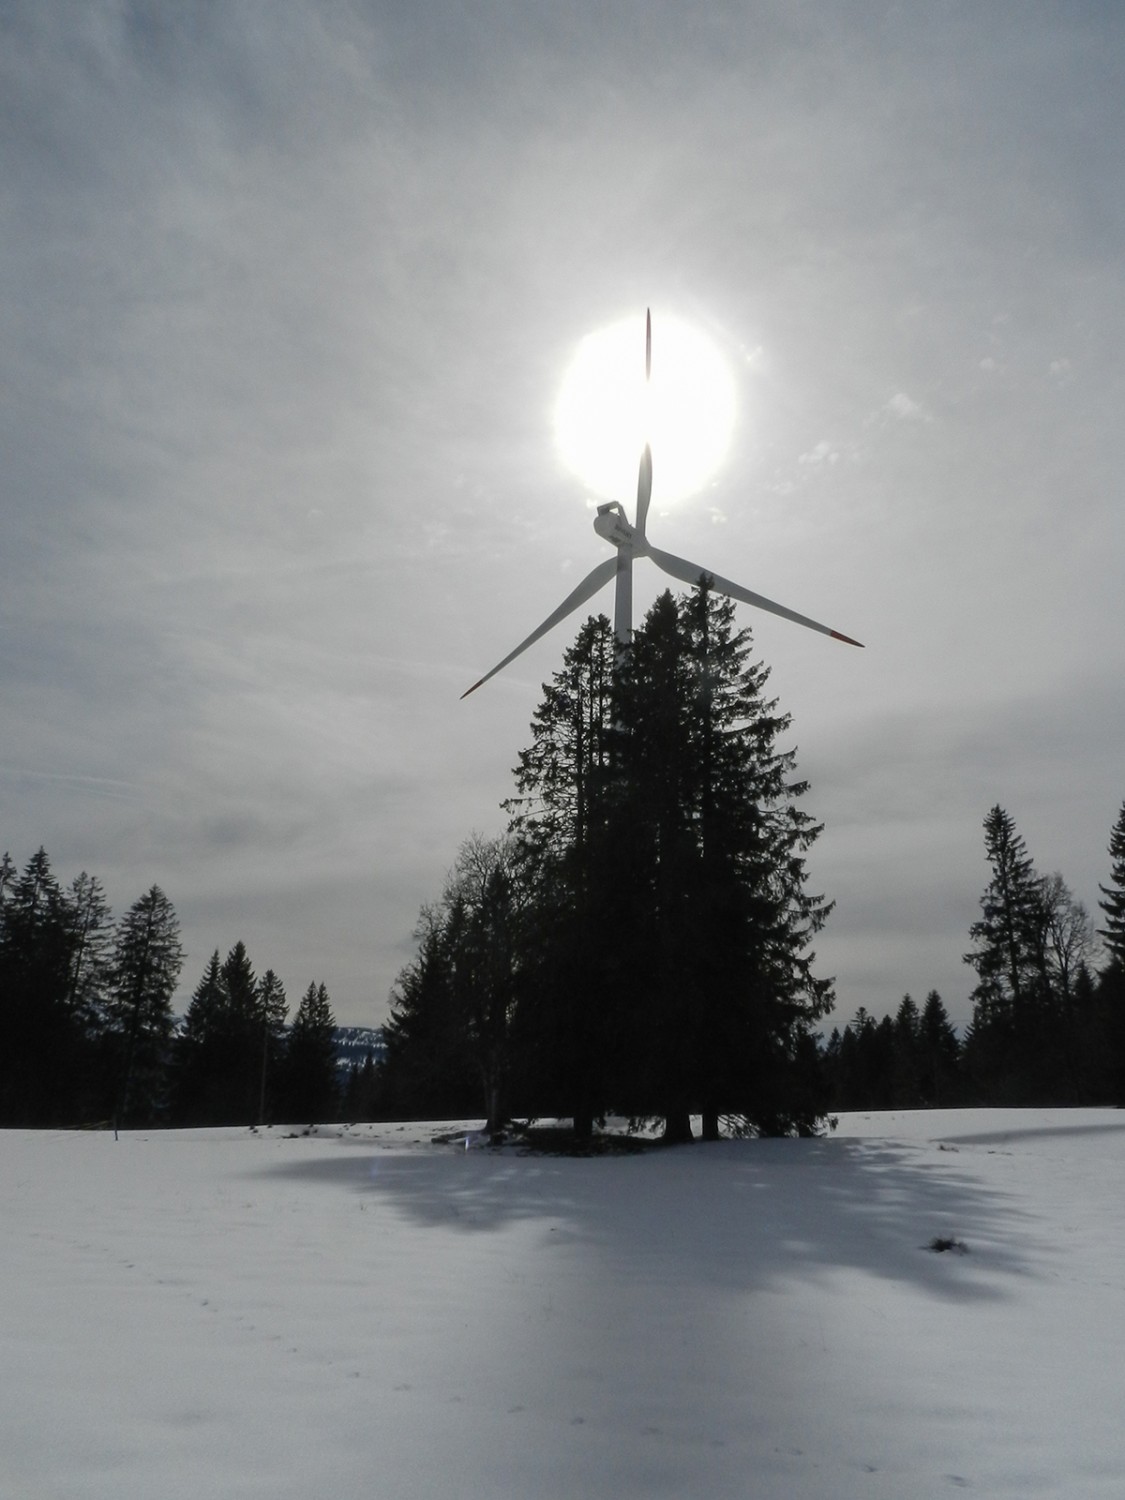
(273, 1007)
(243, 1040)
(940, 1053)
(721, 861)
(91, 940)
(197, 1052)
(1110, 990)
(41, 1033)
(428, 1073)
(147, 959)
(1113, 896)
(311, 1073)
(219, 1054)
(1015, 1044)
(566, 820)
(674, 878)
(906, 1083)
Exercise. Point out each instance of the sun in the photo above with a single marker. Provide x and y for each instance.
(605, 412)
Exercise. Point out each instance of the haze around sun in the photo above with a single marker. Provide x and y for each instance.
(606, 411)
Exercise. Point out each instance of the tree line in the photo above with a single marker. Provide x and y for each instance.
(1048, 1021)
(638, 940)
(87, 1031)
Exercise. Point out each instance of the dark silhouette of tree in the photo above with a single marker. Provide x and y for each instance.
(1113, 896)
(310, 1073)
(43, 1034)
(1109, 998)
(669, 970)
(724, 926)
(573, 840)
(454, 1007)
(428, 1073)
(197, 1053)
(145, 969)
(225, 1042)
(272, 1007)
(1011, 999)
(939, 1054)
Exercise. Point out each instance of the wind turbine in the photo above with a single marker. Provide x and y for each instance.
(632, 542)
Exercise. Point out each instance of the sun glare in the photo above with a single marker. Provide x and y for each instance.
(605, 412)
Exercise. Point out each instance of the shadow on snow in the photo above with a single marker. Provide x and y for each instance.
(742, 1214)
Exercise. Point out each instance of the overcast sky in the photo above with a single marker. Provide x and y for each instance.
(288, 293)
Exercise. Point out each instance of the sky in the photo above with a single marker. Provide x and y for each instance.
(287, 294)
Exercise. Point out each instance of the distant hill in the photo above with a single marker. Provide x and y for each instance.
(353, 1043)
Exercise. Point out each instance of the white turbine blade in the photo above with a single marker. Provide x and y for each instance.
(691, 573)
(644, 489)
(585, 590)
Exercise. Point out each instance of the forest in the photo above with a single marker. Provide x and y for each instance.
(87, 1032)
(638, 941)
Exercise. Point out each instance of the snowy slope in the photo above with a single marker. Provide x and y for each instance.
(362, 1313)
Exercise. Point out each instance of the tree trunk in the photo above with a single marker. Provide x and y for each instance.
(677, 1128)
(710, 1125)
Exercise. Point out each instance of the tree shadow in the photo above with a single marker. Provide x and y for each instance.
(740, 1214)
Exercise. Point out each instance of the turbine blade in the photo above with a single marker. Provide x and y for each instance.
(691, 573)
(648, 343)
(644, 489)
(589, 586)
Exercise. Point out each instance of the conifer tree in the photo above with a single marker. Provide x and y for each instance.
(428, 1073)
(572, 843)
(1113, 896)
(680, 869)
(220, 1051)
(1016, 1043)
(273, 1007)
(41, 1036)
(197, 1052)
(1110, 992)
(721, 859)
(91, 941)
(940, 1053)
(310, 1070)
(147, 959)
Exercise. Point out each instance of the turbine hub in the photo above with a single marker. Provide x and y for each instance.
(611, 524)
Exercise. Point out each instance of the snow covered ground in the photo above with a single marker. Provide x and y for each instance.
(361, 1313)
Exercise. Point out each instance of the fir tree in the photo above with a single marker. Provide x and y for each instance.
(939, 1053)
(1113, 896)
(147, 959)
(273, 1007)
(41, 1030)
(310, 1070)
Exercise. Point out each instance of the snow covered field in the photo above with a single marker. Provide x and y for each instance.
(362, 1313)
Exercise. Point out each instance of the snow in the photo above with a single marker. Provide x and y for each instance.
(361, 1312)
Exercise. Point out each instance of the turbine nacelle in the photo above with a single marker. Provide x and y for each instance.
(612, 524)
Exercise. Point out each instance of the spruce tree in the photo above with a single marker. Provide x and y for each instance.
(1113, 896)
(573, 850)
(197, 1051)
(721, 850)
(147, 959)
(939, 1053)
(41, 1031)
(311, 1074)
(1015, 1046)
(428, 1073)
(273, 1007)
(677, 875)
(1110, 992)
(220, 1051)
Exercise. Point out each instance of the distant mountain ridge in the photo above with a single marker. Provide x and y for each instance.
(353, 1043)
